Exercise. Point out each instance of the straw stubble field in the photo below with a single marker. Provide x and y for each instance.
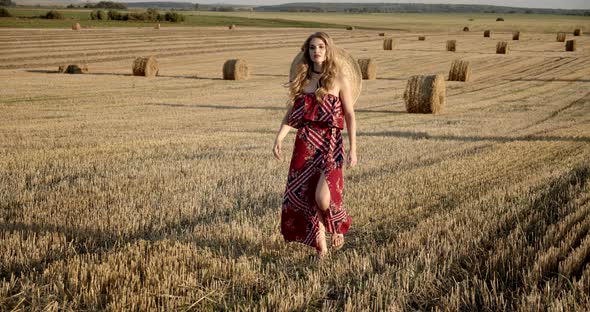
(120, 192)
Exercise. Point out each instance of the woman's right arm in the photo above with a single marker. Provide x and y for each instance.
(281, 134)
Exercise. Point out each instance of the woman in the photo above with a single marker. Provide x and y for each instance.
(320, 100)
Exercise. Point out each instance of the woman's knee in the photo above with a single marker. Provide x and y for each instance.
(323, 201)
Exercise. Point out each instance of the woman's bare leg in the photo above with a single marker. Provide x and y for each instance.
(322, 197)
(321, 246)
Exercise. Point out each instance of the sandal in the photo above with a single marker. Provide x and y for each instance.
(337, 246)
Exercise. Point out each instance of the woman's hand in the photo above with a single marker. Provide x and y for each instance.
(351, 159)
(277, 149)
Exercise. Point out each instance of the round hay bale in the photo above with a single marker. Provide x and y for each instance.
(452, 45)
(350, 28)
(487, 33)
(577, 32)
(76, 69)
(499, 19)
(425, 94)
(561, 37)
(232, 27)
(157, 26)
(570, 45)
(388, 44)
(516, 35)
(235, 69)
(76, 26)
(465, 28)
(145, 66)
(502, 47)
(368, 68)
(421, 38)
(62, 68)
(460, 71)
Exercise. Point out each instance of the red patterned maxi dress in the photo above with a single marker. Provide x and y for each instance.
(318, 148)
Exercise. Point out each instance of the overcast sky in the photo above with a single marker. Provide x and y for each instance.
(554, 4)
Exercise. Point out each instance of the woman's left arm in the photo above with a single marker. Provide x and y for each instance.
(348, 105)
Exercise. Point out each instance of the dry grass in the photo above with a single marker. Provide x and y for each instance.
(368, 68)
(460, 71)
(425, 94)
(145, 66)
(502, 47)
(452, 45)
(142, 194)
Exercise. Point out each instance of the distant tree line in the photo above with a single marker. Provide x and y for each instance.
(353, 8)
(410, 8)
(53, 14)
(4, 13)
(103, 5)
(7, 3)
(161, 5)
(150, 15)
(190, 6)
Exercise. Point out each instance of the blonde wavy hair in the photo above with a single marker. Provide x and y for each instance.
(304, 68)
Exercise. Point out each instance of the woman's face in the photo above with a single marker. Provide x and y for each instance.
(317, 50)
